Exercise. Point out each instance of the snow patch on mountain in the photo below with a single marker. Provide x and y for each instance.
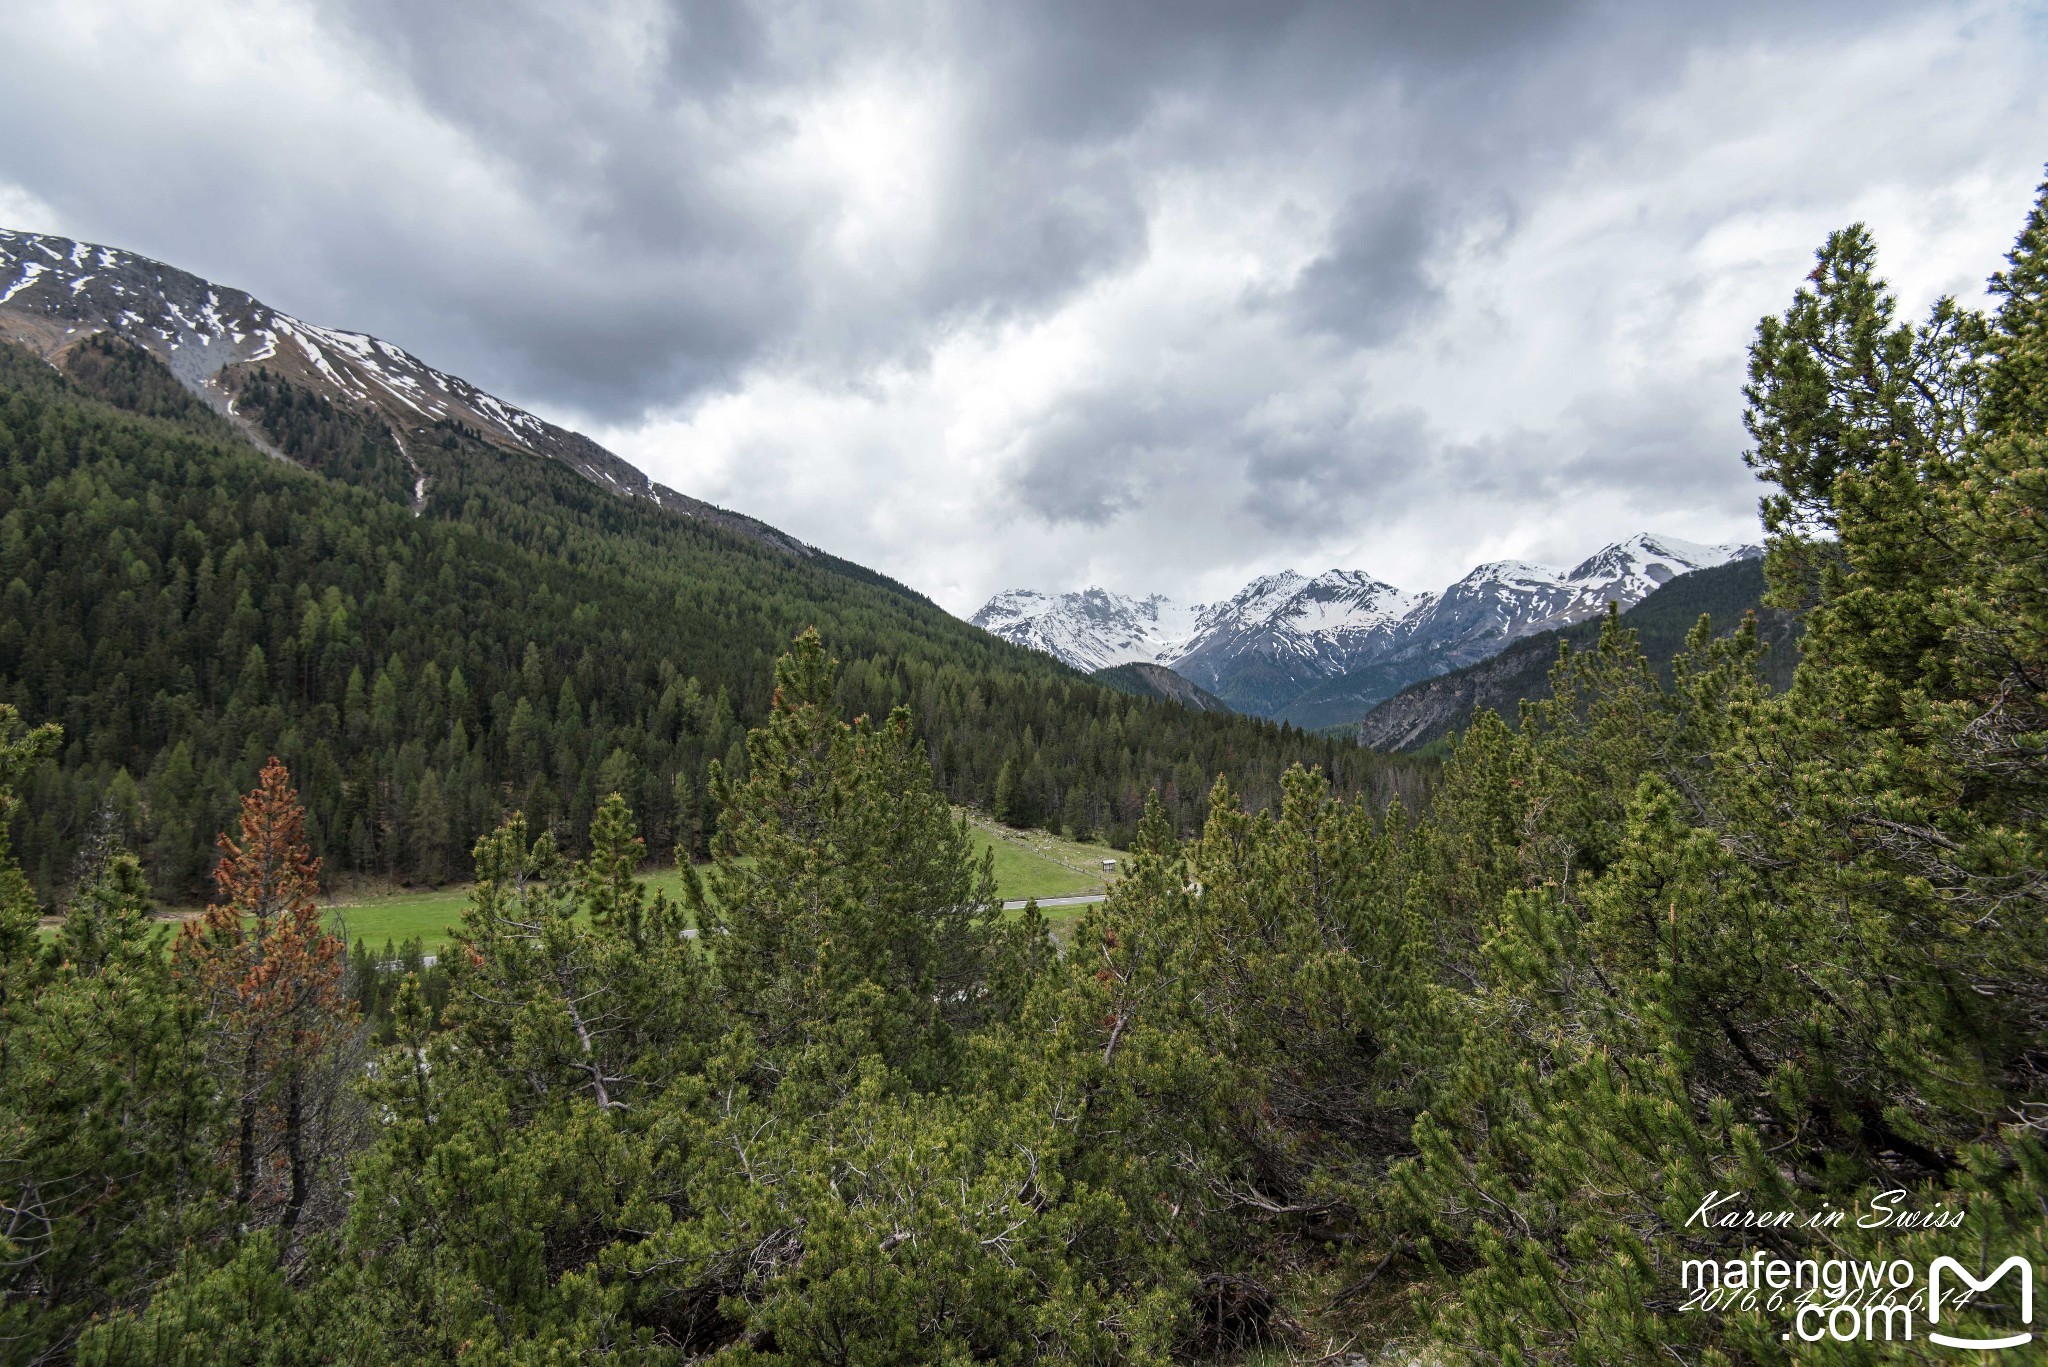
(1092, 629)
(54, 291)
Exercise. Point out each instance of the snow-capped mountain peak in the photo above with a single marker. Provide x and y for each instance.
(1283, 635)
(1092, 628)
(1255, 602)
(55, 292)
(1519, 574)
(1634, 568)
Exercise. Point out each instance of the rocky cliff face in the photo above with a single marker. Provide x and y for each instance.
(1157, 681)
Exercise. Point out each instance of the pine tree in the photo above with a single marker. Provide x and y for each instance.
(548, 1131)
(19, 755)
(1786, 945)
(1074, 815)
(269, 978)
(427, 828)
(107, 1116)
(107, 920)
(845, 898)
(689, 819)
(1009, 804)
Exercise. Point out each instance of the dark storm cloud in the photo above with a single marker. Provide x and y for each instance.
(658, 260)
(1375, 277)
(626, 211)
(687, 259)
(662, 271)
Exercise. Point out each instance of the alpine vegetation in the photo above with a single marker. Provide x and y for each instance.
(1688, 1020)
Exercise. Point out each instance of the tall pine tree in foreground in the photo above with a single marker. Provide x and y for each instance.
(1791, 946)
(269, 978)
(845, 898)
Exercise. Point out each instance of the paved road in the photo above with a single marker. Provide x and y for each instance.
(1080, 901)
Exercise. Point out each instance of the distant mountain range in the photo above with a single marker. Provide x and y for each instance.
(1325, 650)
(1443, 706)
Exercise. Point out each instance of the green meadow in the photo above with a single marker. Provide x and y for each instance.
(1027, 864)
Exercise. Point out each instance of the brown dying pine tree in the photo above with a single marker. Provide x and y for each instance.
(270, 979)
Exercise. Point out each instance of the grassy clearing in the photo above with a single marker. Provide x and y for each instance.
(1028, 864)
(422, 916)
(1036, 864)
(428, 916)
(1060, 922)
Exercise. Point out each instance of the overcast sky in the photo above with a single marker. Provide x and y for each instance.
(1157, 297)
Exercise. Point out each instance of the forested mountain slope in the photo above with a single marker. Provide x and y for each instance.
(1445, 705)
(1157, 681)
(232, 350)
(522, 639)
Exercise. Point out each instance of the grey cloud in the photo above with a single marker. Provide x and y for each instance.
(1670, 443)
(1107, 458)
(655, 263)
(1314, 483)
(650, 255)
(694, 272)
(1099, 458)
(1681, 443)
(1375, 278)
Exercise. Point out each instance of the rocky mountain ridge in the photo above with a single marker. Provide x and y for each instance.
(1157, 681)
(1443, 705)
(56, 292)
(1093, 629)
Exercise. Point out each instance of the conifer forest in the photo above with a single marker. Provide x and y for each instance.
(1484, 1055)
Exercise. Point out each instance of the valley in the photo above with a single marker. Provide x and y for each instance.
(1027, 865)
(208, 563)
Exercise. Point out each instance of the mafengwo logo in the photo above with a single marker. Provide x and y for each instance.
(1870, 1302)
(2015, 1263)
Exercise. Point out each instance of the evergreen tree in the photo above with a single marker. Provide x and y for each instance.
(1074, 815)
(268, 977)
(845, 897)
(107, 1118)
(1009, 795)
(1784, 945)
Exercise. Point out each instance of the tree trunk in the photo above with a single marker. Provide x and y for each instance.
(245, 1138)
(295, 1145)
